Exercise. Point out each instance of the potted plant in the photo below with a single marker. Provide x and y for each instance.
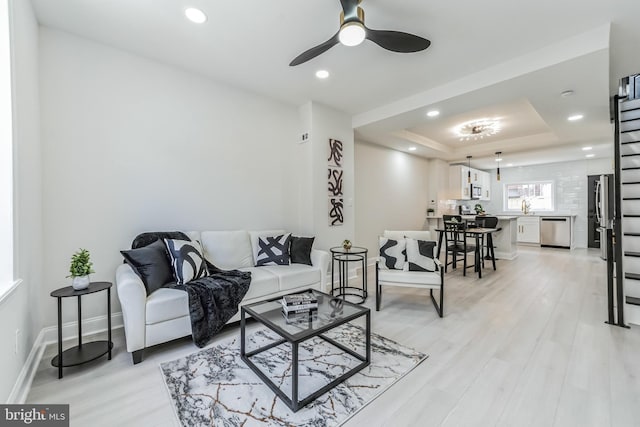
(430, 212)
(346, 244)
(80, 269)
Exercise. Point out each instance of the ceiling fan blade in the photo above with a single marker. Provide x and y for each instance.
(315, 51)
(397, 41)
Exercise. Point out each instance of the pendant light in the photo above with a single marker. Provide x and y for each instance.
(469, 169)
(498, 159)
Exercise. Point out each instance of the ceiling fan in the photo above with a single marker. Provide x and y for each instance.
(353, 32)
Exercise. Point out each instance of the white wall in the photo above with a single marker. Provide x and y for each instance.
(309, 174)
(326, 124)
(570, 180)
(132, 145)
(19, 311)
(392, 190)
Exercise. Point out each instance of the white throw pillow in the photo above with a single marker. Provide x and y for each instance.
(392, 253)
(255, 235)
(273, 250)
(420, 254)
(187, 260)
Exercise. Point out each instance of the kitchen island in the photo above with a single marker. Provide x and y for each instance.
(506, 239)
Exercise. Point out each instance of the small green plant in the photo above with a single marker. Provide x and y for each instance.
(478, 208)
(346, 244)
(80, 264)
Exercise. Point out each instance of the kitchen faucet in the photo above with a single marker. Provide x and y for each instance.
(525, 207)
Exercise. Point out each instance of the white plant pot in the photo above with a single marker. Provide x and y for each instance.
(80, 282)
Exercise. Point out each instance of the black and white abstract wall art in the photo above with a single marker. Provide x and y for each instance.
(334, 182)
(335, 211)
(335, 153)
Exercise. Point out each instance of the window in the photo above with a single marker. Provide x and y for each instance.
(538, 195)
(6, 154)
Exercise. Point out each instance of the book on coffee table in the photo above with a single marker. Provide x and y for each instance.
(300, 317)
(299, 308)
(299, 299)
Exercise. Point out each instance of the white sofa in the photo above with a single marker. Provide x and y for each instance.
(164, 315)
(411, 279)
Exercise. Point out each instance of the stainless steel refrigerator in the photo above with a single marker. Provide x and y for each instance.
(604, 209)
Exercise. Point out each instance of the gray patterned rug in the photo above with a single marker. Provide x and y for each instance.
(214, 387)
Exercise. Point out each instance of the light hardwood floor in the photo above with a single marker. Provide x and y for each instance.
(525, 345)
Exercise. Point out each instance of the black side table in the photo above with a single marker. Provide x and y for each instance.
(343, 257)
(86, 352)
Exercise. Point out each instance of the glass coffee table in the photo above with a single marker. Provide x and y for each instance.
(331, 313)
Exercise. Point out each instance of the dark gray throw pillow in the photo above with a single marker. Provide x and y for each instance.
(151, 263)
(300, 250)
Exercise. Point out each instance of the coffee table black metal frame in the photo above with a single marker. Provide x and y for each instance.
(83, 352)
(295, 339)
(343, 257)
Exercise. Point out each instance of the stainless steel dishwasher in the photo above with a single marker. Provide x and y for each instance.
(555, 231)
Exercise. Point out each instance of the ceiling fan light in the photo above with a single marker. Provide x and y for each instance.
(352, 33)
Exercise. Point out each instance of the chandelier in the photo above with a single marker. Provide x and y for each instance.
(477, 129)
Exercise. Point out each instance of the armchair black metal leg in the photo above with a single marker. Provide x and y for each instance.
(137, 356)
(435, 304)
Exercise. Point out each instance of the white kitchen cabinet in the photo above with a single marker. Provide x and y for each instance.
(459, 186)
(485, 183)
(529, 229)
(476, 176)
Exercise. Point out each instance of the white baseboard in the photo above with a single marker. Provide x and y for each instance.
(22, 386)
(91, 326)
(49, 335)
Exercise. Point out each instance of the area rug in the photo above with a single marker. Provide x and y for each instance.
(214, 387)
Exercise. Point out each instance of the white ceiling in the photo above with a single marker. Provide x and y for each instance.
(248, 44)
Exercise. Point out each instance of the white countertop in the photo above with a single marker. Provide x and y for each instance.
(543, 214)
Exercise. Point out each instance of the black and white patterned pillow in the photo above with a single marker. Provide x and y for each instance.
(392, 253)
(273, 250)
(187, 260)
(420, 255)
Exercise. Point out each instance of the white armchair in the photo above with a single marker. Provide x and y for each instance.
(411, 279)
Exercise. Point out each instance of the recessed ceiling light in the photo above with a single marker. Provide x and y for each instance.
(587, 148)
(575, 117)
(412, 148)
(509, 165)
(195, 15)
(588, 156)
(322, 74)
(433, 113)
